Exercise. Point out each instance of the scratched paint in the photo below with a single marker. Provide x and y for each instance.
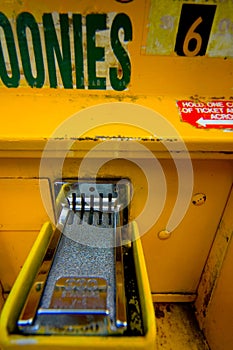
(65, 50)
(164, 20)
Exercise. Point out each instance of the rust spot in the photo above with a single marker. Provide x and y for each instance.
(225, 152)
(209, 292)
(197, 98)
(207, 299)
(159, 313)
(124, 1)
(217, 98)
(119, 72)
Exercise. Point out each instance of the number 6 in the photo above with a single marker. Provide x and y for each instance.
(191, 34)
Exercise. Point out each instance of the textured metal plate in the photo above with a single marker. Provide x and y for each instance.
(80, 294)
(85, 284)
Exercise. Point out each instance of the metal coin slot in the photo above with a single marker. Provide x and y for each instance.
(101, 208)
(80, 287)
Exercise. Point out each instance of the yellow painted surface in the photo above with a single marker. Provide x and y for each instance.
(47, 111)
(22, 209)
(219, 314)
(150, 74)
(176, 264)
(30, 116)
(14, 249)
(22, 215)
(188, 246)
(214, 302)
(157, 82)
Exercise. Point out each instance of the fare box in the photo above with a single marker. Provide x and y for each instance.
(207, 115)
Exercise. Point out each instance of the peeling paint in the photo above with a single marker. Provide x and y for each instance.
(166, 24)
(116, 138)
(213, 265)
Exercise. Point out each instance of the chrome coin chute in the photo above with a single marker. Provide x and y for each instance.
(87, 283)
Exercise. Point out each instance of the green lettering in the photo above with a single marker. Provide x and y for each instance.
(12, 81)
(120, 21)
(52, 47)
(26, 20)
(94, 22)
(78, 50)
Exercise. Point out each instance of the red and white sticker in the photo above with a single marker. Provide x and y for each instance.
(212, 114)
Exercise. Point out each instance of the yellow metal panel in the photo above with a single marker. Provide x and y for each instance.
(189, 244)
(219, 319)
(14, 248)
(22, 214)
(150, 74)
(22, 208)
(214, 302)
(29, 117)
(48, 112)
(176, 264)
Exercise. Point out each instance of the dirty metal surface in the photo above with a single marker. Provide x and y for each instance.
(177, 327)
